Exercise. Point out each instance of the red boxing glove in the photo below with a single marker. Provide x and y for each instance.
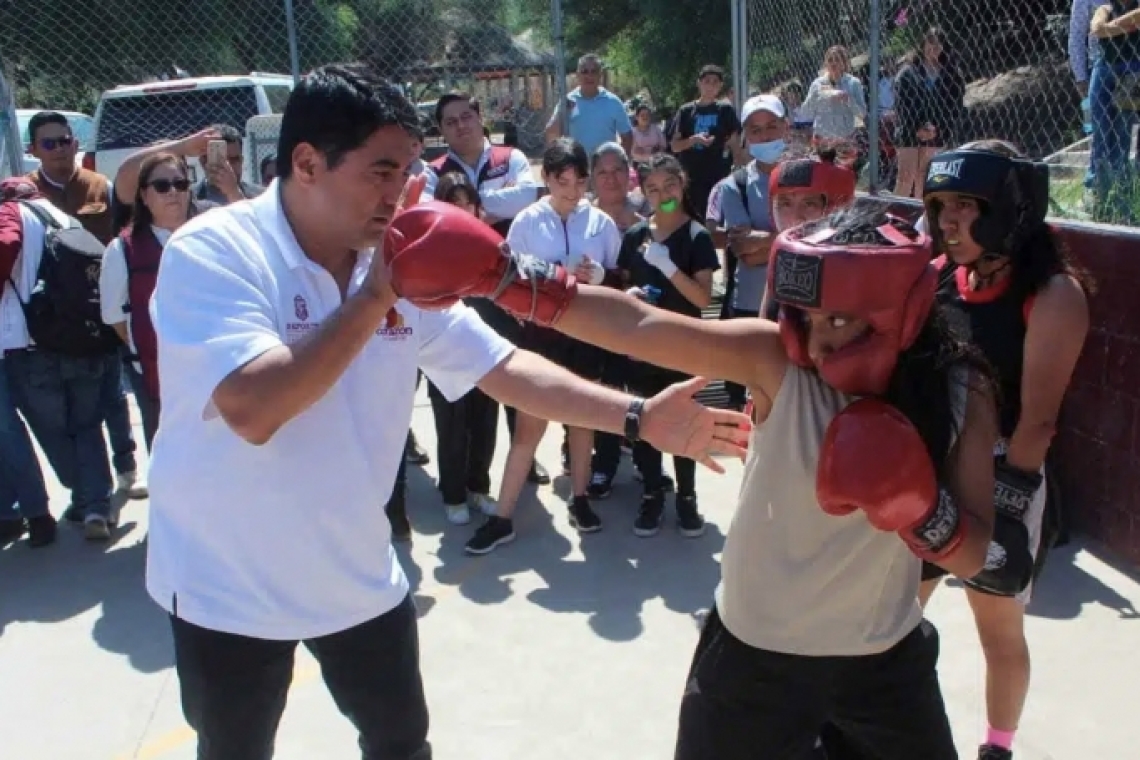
(873, 459)
(439, 254)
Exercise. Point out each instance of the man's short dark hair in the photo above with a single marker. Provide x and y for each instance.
(563, 154)
(336, 108)
(230, 134)
(711, 70)
(455, 97)
(42, 119)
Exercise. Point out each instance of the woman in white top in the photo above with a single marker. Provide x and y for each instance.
(835, 99)
(130, 268)
(566, 229)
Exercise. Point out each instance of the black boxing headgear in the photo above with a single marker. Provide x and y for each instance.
(1013, 195)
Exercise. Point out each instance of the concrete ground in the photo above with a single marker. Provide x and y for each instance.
(553, 648)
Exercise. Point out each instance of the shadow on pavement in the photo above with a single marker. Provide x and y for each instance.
(74, 576)
(613, 580)
(1064, 588)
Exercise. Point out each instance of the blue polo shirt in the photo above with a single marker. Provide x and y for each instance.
(750, 281)
(597, 120)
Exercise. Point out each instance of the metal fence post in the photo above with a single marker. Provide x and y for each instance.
(559, 64)
(741, 44)
(294, 56)
(12, 160)
(873, 122)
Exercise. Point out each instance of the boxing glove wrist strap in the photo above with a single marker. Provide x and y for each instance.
(940, 531)
(1014, 489)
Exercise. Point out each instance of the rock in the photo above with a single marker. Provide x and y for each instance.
(1034, 107)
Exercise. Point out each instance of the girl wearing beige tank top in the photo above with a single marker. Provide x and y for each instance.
(816, 619)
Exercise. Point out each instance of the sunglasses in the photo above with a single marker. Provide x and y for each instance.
(164, 186)
(51, 143)
(589, 71)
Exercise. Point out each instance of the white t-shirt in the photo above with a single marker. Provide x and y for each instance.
(287, 540)
(538, 230)
(114, 282)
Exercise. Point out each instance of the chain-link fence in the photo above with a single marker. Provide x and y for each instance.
(950, 72)
(162, 69)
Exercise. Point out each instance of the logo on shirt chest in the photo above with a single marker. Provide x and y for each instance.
(299, 326)
(394, 327)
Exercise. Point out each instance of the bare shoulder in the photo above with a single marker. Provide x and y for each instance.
(1062, 293)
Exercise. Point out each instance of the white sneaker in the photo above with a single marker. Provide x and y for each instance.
(457, 514)
(483, 503)
(131, 484)
(96, 528)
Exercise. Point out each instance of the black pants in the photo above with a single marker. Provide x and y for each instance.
(730, 265)
(234, 687)
(607, 446)
(743, 703)
(647, 380)
(466, 431)
(738, 394)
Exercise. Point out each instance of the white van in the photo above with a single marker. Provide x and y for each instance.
(135, 116)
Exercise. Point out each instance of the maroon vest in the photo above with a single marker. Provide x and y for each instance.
(142, 252)
(498, 164)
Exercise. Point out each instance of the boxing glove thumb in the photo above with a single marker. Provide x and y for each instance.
(871, 455)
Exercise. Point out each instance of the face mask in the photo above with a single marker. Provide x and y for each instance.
(669, 206)
(767, 152)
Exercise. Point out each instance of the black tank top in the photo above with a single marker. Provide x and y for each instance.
(993, 320)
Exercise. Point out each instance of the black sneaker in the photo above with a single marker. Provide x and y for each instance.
(11, 531)
(994, 752)
(538, 475)
(414, 453)
(41, 531)
(495, 532)
(648, 521)
(689, 520)
(398, 517)
(582, 517)
(601, 486)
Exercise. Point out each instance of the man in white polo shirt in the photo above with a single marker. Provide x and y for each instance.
(288, 370)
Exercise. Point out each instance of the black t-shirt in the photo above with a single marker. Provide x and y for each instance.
(719, 119)
(690, 248)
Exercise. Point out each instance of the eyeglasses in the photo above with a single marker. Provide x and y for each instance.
(51, 143)
(589, 72)
(164, 186)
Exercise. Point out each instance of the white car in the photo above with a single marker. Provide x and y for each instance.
(82, 126)
(131, 117)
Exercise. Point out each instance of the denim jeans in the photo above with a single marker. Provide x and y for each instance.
(61, 397)
(117, 415)
(1112, 141)
(148, 405)
(21, 479)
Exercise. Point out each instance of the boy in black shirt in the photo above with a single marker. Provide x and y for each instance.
(705, 135)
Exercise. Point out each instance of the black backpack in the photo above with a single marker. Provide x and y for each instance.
(62, 311)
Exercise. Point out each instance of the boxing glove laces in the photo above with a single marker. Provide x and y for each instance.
(1009, 560)
(873, 459)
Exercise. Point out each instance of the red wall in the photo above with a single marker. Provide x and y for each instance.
(1096, 454)
(1097, 449)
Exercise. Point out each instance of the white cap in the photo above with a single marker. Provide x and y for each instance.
(769, 103)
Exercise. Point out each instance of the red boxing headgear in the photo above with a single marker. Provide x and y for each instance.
(810, 176)
(890, 284)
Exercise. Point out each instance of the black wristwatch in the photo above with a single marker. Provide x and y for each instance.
(633, 420)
